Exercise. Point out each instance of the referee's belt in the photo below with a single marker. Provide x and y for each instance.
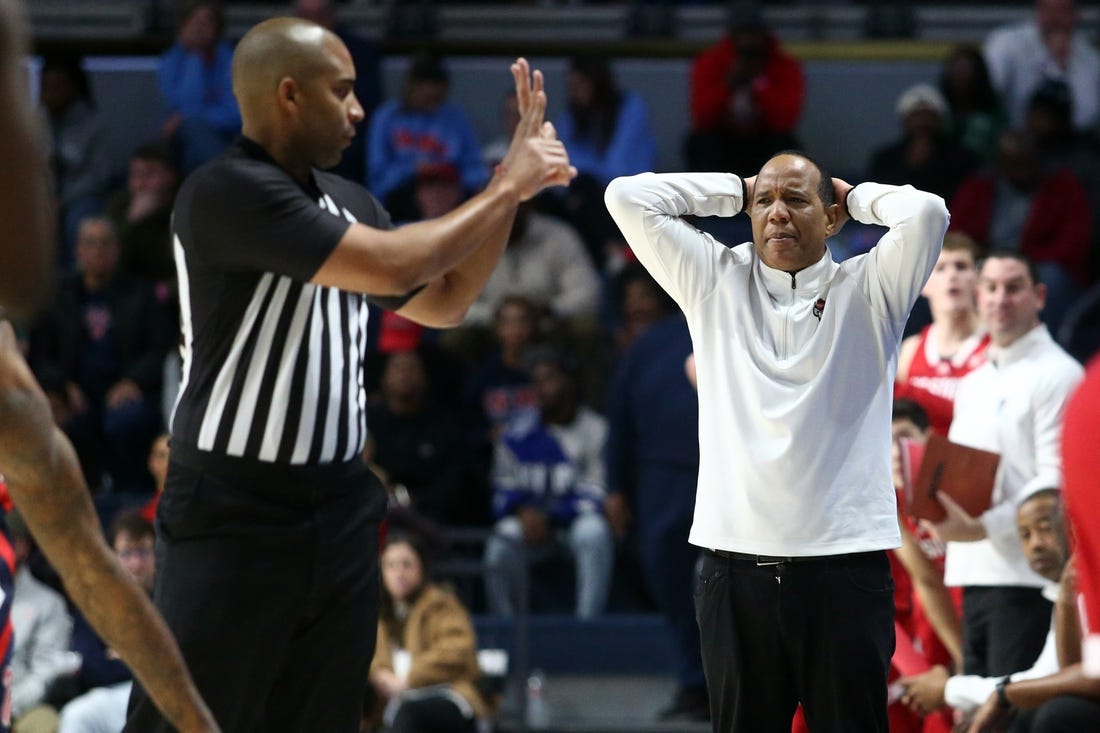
(763, 560)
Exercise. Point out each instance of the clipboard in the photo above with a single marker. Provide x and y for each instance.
(965, 474)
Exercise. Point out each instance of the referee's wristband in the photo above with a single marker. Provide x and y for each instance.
(1002, 697)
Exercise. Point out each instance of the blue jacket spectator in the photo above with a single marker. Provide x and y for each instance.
(196, 82)
(606, 130)
(421, 129)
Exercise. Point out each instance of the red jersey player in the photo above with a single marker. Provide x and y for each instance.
(1081, 469)
(931, 363)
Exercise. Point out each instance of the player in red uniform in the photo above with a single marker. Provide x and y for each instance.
(931, 363)
(1081, 473)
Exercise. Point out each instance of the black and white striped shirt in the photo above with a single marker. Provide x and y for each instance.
(272, 365)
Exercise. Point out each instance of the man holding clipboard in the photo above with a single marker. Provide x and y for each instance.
(1011, 406)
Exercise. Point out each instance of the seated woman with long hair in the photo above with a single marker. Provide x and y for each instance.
(425, 669)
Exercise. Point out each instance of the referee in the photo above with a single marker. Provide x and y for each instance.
(267, 529)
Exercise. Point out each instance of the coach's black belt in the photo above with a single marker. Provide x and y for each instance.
(770, 559)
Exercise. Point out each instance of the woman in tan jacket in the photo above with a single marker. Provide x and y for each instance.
(425, 666)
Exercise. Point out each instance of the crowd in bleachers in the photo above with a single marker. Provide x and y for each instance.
(559, 416)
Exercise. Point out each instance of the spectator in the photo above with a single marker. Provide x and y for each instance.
(746, 97)
(931, 363)
(1043, 214)
(142, 215)
(103, 344)
(421, 128)
(546, 262)
(1012, 405)
(975, 117)
(925, 156)
(78, 153)
(425, 669)
(41, 627)
(652, 466)
(159, 453)
(1049, 46)
(499, 391)
(436, 191)
(196, 85)
(605, 128)
(608, 134)
(548, 492)
(1050, 122)
(640, 303)
(1053, 694)
(419, 443)
(102, 680)
(368, 81)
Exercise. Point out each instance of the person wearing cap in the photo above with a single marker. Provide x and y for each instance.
(746, 96)
(925, 155)
(438, 189)
(1050, 45)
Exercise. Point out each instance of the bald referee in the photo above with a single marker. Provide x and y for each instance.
(36, 460)
(267, 567)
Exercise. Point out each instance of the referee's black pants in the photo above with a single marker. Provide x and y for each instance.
(270, 584)
(819, 632)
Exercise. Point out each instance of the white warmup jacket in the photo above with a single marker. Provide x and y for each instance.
(795, 372)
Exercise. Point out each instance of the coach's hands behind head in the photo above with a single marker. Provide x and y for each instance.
(536, 158)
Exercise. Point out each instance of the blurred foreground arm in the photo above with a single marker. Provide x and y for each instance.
(27, 249)
(46, 483)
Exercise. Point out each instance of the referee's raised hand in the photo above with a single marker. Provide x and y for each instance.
(536, 158)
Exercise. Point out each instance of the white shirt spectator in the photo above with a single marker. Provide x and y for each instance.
(42, 628)
(549, 265)
(1019, 62)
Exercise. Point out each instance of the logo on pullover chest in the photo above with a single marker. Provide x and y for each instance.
(819, 308)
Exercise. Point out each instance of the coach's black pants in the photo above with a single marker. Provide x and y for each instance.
(269, 581)
(818, 632)
(1004, 629)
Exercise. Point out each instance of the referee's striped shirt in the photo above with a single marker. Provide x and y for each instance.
(272, 365)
